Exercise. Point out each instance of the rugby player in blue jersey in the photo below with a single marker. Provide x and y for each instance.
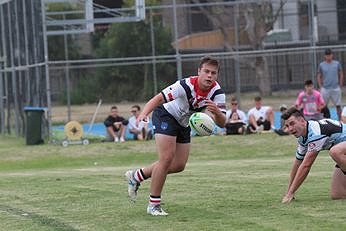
(313, 137)
(171, 109)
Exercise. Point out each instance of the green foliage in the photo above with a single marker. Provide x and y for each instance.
(230, 183)
(133, 82)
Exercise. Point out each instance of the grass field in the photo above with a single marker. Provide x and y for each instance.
(230, 183)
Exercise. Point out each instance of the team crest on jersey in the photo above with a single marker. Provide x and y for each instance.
(312, 146)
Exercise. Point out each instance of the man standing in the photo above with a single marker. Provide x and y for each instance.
(330, 79)
(313, 137)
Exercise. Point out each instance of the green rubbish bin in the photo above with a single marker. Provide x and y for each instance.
(33, 129)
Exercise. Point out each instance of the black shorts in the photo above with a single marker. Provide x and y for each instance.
(233, 128)
(165, 123)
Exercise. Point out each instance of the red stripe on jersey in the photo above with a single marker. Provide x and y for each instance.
(194, 82)
(170, 96)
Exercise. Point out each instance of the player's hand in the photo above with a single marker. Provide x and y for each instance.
(142, 119)
(287, 198)
(211, 106)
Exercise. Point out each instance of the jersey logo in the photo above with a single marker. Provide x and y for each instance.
(312, 146)
(164, 125)
(170, 96)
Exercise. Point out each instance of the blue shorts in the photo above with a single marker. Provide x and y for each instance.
(165, 123)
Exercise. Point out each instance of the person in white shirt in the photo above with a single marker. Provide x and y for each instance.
(235, 119)
(260, 117)
(141, 130)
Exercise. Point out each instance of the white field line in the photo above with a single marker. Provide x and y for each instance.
(228, 164)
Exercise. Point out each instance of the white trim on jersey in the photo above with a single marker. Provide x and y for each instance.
(182, 99)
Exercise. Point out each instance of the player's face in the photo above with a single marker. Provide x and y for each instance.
(207, 76)
(295, 126)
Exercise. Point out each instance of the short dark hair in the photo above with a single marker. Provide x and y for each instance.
(233, 98)
(137, 106)
(292, 111)
(328, 51)
(209, 60)
(114, 107)
(308, 82)
(258, 98)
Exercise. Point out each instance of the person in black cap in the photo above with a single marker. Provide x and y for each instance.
(330, 79)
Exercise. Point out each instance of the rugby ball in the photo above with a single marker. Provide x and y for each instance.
(202, 124)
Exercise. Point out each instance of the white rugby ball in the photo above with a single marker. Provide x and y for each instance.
(202, 124)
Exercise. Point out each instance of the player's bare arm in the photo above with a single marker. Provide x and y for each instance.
(301, 174)
(150, 106)
(219, 116)
(295, 166)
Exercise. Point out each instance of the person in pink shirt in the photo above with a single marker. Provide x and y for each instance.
(310, 101)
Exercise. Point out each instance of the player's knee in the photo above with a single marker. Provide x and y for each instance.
(166, 160)
(334, 153)
(180, 167)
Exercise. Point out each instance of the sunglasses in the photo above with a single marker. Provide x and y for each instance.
(134, 111)
(234, 103)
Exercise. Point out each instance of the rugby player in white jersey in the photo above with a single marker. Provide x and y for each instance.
(313, 137)
(171, 111)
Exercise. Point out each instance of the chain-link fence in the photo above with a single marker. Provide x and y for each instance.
(263, 46)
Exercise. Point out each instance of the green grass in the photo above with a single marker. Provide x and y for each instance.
(230, 183)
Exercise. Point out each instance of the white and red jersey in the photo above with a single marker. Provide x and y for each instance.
(184, 97)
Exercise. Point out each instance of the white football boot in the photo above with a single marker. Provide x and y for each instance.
(156, 210)
(132, 185)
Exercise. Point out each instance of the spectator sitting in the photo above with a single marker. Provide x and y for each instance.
(140, 131)
(281, 131)
(235, 119)
(310, 101)
(260, 117)
(115, 126)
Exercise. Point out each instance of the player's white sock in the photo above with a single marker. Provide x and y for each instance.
(139, 175)
(154, 200)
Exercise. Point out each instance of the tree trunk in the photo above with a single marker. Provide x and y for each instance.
(262, 76)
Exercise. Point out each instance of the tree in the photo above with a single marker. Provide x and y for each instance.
(133, 82)
(259, 19)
